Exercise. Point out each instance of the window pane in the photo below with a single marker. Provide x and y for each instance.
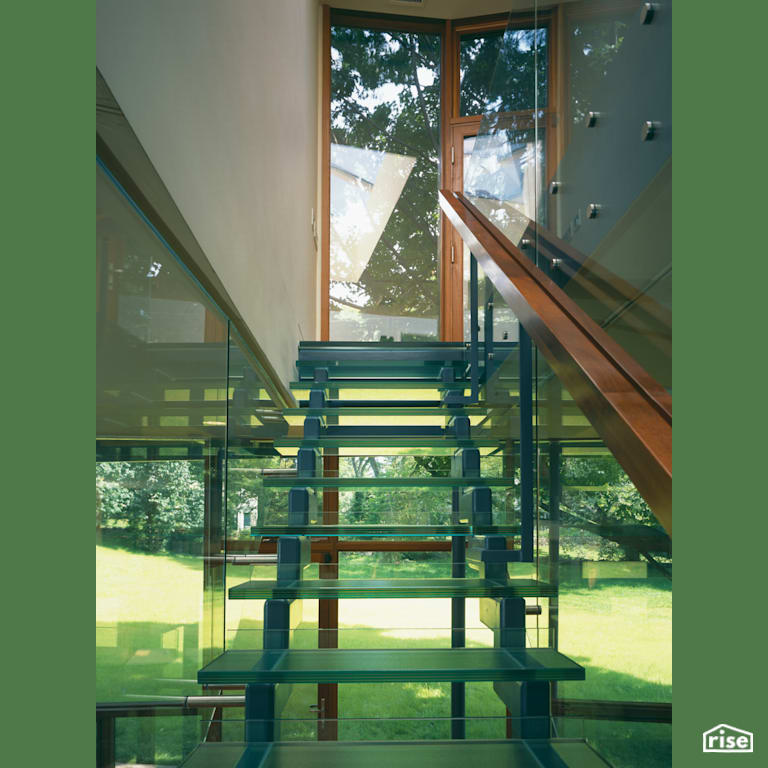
(497, 71)
(385, 218)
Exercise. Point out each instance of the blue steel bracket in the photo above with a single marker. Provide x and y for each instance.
(302, 506)
(281, 617)
(317, 398)
(528, 703)
(488, 356)
(527, 448)
(474, 344)
(314, 427)
(264, 703)
(505, 616)
(460, 427)
(465, 462)
(490, 556)
(321, 375)
(293, 556)
(447, 375)
(529, 707)
(475, 506)
(307, 462)
(455, 397)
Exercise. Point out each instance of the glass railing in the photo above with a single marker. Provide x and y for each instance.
(580, 181)
(180, 398)
(599, 545)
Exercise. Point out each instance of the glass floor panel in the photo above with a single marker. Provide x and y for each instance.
(364, 588)
(353, 665)
(510, 753)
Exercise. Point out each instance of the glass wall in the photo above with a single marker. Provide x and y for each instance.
(177, 391)
(385, 218)
(580, 180)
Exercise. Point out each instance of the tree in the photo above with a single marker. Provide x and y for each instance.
(600, 499)
(150, 500)
(385, 96)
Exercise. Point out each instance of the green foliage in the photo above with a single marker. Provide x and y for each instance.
(150, 500)
(594, 45)
(599, 499)
(615, 497)
(245, 493)
(501, 71)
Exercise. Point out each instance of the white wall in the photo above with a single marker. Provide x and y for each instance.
(222, 94)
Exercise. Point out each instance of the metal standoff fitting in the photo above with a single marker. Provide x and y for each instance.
(525, 243)
(592, 119)
(649, 130)
(556, 262)
(593, 209)
(646, 13)
(554, 187)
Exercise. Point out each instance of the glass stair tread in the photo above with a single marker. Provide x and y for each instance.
(375, 530)
(386, 410)
(379, 415)
(398, 351)
(376, 405)
(510, 753)
(402, 588)
(387, 482)
(404, 443)
(372, 383)
(310, 344)
(356, 665)
(387, 366)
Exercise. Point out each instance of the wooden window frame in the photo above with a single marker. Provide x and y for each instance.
(458, 127)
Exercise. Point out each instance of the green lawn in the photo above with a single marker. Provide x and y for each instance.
(150, 634)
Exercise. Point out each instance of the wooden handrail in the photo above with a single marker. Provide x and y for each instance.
(630, 411)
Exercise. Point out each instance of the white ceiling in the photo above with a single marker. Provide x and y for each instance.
(440, 9)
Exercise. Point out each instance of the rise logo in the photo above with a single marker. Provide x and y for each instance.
(726, 738)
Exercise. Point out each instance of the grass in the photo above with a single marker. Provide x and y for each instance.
(150, 632)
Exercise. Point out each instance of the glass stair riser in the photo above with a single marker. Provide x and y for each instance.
(375, 531)
(388, 482)
(509, 753)
(389, 588)
(334, 665)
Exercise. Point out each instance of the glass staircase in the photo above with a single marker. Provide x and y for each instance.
(491, 559)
